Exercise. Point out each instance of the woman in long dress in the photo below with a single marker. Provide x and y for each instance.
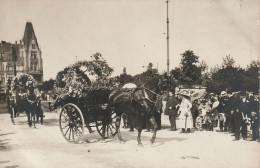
(185, 121)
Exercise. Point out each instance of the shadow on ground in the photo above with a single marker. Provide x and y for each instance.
(51, 122)
(4, 142)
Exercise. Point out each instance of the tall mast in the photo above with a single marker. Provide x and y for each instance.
(167, 21)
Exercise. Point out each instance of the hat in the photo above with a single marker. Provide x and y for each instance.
(235, 93)
(223, 93)
(184, 93)
(129, 86)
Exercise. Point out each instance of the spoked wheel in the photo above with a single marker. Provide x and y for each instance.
(71, 123)
(107, 127)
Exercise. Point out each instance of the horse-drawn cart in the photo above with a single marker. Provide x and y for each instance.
(21, 97)
(90, 110)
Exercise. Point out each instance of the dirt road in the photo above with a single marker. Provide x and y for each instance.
(44, 147)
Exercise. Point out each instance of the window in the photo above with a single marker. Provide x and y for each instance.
(31, 66)
(33, 46)
(1, 67)
(9, 68)
(9, 77)
(2, 79)
(33, 54)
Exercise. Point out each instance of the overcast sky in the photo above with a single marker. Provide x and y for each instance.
(132, 33)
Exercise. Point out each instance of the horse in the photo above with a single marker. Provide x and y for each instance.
(139, 104)
(32, 106)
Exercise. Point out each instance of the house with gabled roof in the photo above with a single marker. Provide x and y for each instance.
(22, 57)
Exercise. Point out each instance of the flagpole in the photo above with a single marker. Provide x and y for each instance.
(167, 21)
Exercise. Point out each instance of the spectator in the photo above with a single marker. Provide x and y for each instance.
(185, 116)
(171, 110)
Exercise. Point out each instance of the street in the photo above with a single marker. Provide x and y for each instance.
(45, 147)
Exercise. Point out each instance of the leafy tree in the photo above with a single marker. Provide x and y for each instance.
(98, 67)
(150, 66)
(47, 85)
(125, 78)
(189, 72)
(229, 78)
(251, 82)
(228, 61)
(142, 78)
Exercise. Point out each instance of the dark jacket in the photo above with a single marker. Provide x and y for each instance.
(159, 104)
(238, 119)
(171, 106)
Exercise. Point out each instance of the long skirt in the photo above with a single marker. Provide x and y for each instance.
(184, 122)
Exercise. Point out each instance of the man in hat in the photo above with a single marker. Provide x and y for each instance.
(237, 108)
(171, 110)
(158, 113)
(31, 99)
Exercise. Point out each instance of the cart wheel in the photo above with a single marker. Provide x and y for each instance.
(107, 127)
(71, 123)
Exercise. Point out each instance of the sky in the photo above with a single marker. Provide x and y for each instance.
(132, 33)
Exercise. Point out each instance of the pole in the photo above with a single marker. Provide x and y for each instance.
(167, 21)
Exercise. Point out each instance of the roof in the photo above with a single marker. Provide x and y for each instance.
(28, 34)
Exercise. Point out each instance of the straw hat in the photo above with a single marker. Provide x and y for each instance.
(184, 93)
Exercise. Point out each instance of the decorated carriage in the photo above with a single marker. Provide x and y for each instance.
(22, 98)
(84, 107)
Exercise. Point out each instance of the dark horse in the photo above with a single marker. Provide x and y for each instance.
(33, 107)
(140, 103)
(28, 103)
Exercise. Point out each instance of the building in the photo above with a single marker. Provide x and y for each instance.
(22, 57)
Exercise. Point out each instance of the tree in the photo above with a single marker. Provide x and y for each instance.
(124, 70)
(125, 78)
(251, 81)
(142, 78)
(227, 77)
(100, 67)
(150, 66)
(97, 67)
(47, 85)
(189, 72)
(228, 61)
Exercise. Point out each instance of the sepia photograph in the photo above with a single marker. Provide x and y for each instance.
(129, 83)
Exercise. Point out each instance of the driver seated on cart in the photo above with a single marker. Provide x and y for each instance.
(31, 98)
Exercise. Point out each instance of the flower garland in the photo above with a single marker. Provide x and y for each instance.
(19, 85)
(74, 86)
